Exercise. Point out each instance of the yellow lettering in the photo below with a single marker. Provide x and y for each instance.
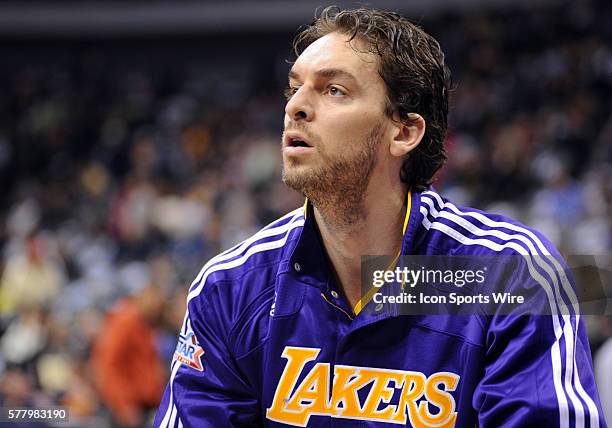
(441, 399)
(381, 392)
(296, 360)
(313, 392)
(312, 396)
(347, 380)
(414, 385)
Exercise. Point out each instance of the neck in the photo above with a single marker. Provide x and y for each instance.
(373, 228)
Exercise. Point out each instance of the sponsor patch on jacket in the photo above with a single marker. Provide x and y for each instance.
(188, 351)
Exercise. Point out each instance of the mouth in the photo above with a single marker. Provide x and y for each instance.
(295, 144)
(296, 140)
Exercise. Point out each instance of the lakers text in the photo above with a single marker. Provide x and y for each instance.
(295, 406)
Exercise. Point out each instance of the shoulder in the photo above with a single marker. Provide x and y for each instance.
(461, 230)
(236, 287)
(518, 257)
(257, 257)
(234, 290)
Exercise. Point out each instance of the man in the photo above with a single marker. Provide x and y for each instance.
(125, 359)
(276, 333)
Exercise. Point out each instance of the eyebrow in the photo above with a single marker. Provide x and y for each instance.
(328, 73)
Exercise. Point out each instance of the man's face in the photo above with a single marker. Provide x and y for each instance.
(334, 118)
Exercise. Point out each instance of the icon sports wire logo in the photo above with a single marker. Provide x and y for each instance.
(188, 351)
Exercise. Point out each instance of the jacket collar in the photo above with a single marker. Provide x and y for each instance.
(308, 260)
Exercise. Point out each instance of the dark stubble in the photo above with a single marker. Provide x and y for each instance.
(337, 188)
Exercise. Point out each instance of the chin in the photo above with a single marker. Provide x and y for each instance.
(292, 167)
(298, 177)
(290, 176)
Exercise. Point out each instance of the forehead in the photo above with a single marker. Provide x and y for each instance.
(334, 51)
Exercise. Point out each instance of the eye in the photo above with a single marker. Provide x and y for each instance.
(335, 91)
(290, 91)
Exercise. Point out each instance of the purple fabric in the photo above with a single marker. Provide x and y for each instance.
(254, 320)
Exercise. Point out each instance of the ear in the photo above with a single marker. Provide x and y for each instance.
(408, 134)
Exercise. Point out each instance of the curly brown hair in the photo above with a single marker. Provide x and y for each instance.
(413, 69)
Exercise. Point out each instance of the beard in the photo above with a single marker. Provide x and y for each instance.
(337, 187)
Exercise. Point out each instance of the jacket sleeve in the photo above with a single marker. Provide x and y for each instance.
(538, 368)
(206, 387)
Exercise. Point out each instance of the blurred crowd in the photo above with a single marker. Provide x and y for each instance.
(124, 169)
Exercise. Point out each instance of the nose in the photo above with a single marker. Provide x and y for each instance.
(299, 106)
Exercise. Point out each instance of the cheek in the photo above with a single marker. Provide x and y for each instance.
(350, 128)
(357, 117)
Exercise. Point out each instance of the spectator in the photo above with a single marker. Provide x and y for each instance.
(128, 369)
